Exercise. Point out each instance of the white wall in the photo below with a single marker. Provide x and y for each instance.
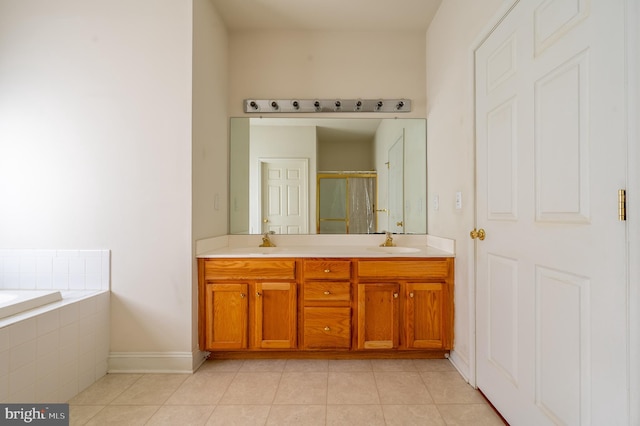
(210, 135)
(95, 150)
(308, 64)
(450, 148)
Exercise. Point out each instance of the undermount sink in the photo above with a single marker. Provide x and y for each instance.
(395, 249)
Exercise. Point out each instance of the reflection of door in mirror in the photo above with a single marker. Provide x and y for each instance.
(284, 194)
(346, 203)
(396, 187)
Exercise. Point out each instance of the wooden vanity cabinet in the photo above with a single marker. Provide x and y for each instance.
(350, 307)
(248, 304)
(405, 304)
(326, 304)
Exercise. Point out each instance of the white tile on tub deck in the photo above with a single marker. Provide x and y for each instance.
(44, 265)
(93, 282)
(4, 387)
(76, 282)
(76, 266)
(27, 282)
(22, 331)
(68, 314)
(47, 322)
(44, 282)
(27, 265)
(102, 302)
(60, 266)
(61, 282)
(28, 393)
(4, 338)
(67, 253)
(4, 364)
(69, 342)
(22, 377)
(47, 387)
(21, 355)
(86, 307)
(12, 265)
(47, 344)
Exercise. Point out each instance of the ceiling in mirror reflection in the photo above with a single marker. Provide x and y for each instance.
(266, 195)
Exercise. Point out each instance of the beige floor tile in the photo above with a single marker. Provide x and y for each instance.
(449, 387)
(239, 415)
(183, 415)
(352, 388)
(355, 415)
(350, 365)
(119, 415)
(251, 388)
(302, 388)
(433, 365)
(469, 415)
(105, 390)
(262, 365)
(151, 389)
(297, 415)
(227, 365)
(307, 365)
(409, 415)
(401, 388)
(393, 365)
(202, 389)
(80, 414)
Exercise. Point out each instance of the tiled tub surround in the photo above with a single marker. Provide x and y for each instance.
(52, 352)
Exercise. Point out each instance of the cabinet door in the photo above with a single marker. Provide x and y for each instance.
(427, 316)
(275, 315)
(378, 325)
(226, 314)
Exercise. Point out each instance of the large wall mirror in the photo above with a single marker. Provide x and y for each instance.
(328, 175)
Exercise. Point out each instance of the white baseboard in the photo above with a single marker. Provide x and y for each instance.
(461, 364)
(155, 362)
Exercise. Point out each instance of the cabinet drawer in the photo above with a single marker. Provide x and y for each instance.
(327, 269)
(423, 269)
(244, 269)
(327, 291)
(327, 328)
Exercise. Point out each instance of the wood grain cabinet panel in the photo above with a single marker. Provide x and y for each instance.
(327, 269)
(226, 313)
(427, 316)
(327, 328)
(378, 316)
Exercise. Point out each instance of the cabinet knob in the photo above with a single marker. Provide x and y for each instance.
(327, 328)
(395, 295)
(258, 294)
(326, 271)
(411, 294)
(327, 292)
(242, 295)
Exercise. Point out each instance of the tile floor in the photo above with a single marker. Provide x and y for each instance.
(288, 392)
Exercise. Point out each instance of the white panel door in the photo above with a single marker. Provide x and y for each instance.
(551, 156)
(285, 194)
(396, 187)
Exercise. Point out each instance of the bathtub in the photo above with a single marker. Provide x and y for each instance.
(13, 302)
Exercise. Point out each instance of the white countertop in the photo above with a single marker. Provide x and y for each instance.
(407, 246)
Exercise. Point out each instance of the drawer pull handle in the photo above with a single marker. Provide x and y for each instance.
(258, 294)
(327, 328)
(242, 295)
(326, 271)
(395, 295)
(411, 294)
(327, 292)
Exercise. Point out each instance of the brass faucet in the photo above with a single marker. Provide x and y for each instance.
(266, 242)
(388, 242)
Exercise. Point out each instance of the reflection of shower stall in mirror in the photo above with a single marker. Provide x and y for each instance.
(346, 202)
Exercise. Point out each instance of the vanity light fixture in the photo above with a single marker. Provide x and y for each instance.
(326, 105)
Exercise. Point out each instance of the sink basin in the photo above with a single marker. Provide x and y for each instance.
(395, 250)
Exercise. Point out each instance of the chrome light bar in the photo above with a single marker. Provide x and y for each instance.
(326, 105)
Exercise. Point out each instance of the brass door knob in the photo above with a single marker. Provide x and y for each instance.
(479, 234)
(265, 220)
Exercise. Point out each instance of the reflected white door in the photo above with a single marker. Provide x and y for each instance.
(396, 187)
(551, 292)
(284, 194)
